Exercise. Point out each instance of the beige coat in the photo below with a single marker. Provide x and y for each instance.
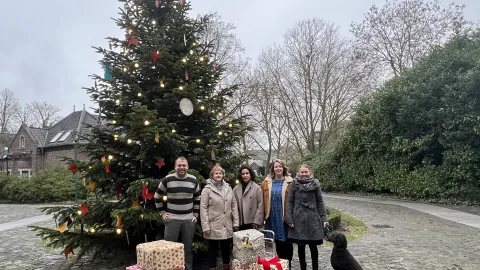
(267, 194)
(250, 203)
(218, 211)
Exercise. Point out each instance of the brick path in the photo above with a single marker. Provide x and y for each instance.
(417, 240)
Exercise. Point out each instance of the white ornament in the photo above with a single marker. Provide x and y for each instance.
(186, 106)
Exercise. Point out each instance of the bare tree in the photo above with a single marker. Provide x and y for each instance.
(317, 79)
(396, 35)
(38, 114)
(8, 108)
(228, 51)
(270, 126)
(228, 54)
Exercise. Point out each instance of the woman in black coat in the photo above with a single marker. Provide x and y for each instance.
(306, 215)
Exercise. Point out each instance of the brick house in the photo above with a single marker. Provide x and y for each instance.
(34, 149)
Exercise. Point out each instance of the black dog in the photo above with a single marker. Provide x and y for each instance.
(341, 258)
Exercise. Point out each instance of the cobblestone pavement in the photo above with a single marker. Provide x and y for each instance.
(415, 241)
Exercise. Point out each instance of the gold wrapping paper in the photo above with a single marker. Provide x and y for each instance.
(160, 255)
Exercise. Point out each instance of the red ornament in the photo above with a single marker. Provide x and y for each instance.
(118, 190)
(73, 168)
(84, 209)
(154, 56)
(212, 155)
(182, 2)
(68, 250)
(107, 168)
(160, 163)
(186, 75)
(147, 195)
(157, 3)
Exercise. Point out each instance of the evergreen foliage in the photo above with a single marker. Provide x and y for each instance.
(417, 137)
(162, 61)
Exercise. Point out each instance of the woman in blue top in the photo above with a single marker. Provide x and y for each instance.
(275, 194)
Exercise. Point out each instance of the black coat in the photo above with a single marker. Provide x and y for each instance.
(306, 210)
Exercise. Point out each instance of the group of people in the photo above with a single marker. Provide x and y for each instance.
(293, 208)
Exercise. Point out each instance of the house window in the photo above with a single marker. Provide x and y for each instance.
(64, 136)
(26, 173)
(22, 142)
(55, 138)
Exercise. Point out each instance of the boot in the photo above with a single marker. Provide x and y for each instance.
(226, 267)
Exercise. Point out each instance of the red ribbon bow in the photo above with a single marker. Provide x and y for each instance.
(266, 263)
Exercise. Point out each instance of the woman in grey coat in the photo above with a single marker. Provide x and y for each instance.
(306, 215)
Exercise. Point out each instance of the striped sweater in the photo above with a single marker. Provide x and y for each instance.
(183, 196)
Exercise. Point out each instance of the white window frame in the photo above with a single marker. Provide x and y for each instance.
(20, 171)
(21, 143)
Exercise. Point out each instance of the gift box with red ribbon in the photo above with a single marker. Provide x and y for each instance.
(272, 264)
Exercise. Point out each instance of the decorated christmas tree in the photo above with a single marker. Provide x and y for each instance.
(159, 98)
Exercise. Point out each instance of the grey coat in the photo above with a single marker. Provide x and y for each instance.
(250, 203)
(306, 210)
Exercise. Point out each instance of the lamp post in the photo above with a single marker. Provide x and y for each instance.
(5, 157)
(75, 176)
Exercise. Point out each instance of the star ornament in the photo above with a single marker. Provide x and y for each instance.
(62, 227)
(84, 208)
(73, 168)
(160, 163)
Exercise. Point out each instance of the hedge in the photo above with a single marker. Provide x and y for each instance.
(51, 185)
(419, 135)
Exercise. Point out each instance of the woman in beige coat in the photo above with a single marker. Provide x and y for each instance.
(219, 217)
(249, 198)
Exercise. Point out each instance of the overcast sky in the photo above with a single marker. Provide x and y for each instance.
(46, 53)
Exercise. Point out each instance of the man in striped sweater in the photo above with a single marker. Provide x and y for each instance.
(182, 193)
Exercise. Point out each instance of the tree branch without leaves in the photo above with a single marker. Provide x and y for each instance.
(398, 34)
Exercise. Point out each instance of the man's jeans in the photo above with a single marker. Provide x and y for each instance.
(173, 228)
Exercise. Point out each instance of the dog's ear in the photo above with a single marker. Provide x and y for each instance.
(342, 241)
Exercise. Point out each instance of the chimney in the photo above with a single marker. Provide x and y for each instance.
(84, 107)
(73, 108)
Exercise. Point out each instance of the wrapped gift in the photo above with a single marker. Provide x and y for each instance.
(160, 255)
(236, 265)
(248, 245)
(272, 264)
(134, 267)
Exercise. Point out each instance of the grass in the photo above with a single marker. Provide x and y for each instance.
(353, 228)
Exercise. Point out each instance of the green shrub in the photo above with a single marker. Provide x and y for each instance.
(5, 180)
(418, 136)
(334, 217)
(51, 185)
